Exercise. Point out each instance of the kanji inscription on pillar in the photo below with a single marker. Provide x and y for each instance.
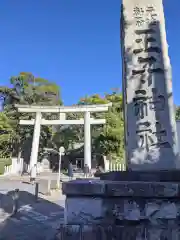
(150, 128)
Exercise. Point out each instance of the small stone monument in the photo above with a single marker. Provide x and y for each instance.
(45, 165)
(150, 127)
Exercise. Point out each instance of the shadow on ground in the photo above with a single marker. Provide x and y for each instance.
(34, 219)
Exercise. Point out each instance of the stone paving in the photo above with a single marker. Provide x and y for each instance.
(34, 220)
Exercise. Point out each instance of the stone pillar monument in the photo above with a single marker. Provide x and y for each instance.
(142, 204)
(150, 128)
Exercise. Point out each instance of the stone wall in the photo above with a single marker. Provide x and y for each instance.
(121, 210)
(99, 232)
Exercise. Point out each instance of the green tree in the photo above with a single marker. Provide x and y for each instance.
(108, 139)
(69, 136)
(6, 135)
(111, 139)
(177, 113)
(28, 90)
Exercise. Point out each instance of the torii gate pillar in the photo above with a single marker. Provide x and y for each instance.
(35, 142)
(87, 139)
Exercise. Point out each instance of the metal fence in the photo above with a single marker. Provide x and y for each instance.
(117, 166)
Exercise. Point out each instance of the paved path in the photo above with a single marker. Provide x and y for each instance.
(34, 220)
(31, 223)
(44, 175)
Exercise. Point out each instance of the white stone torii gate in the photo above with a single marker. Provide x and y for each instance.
(38, 121)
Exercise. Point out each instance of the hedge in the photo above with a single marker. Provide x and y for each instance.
(4, 162)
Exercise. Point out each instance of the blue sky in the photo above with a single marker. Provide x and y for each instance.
(75, 43)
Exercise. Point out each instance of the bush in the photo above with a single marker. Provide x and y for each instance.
(1, 168)
(4, 162)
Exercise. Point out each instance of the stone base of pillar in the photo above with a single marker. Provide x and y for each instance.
(153, 176)
(100, 210)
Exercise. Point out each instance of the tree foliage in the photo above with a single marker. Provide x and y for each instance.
(110, 141)
(6, 135)
(107, 139)
(178, 113)
(27, 90)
